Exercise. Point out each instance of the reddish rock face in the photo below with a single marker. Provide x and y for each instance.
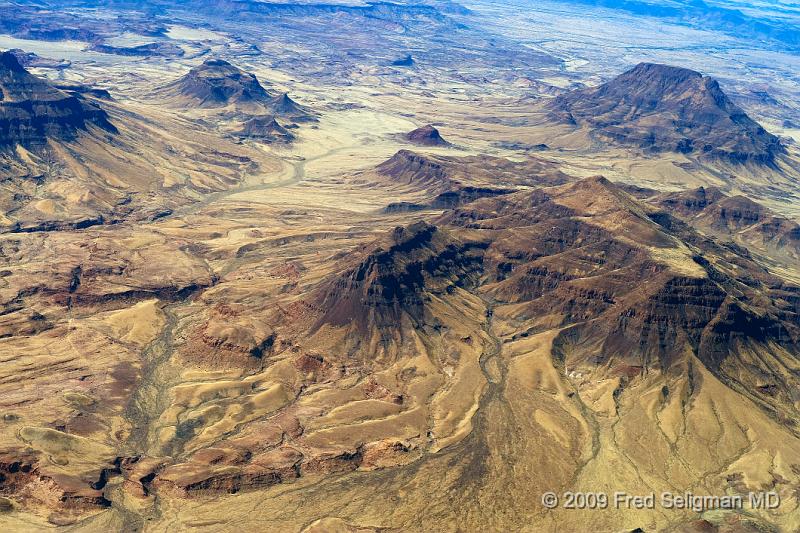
(393, 281)
(23, 474)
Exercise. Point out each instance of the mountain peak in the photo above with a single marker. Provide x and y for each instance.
(284, 104)
(9, 62)
(426, 136)
(645, 69)
(653, 83)
(266, 128)
(412, 168)
(218, 83)
(217, 63)
(662, 108)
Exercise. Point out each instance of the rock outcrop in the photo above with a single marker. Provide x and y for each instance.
(33, 111)
(407, 61)
(266, 129)
(661, 108)
(735, 218)
(454, 181)
(30, 59)
(420, 170)
(283, 106)
(564, 257)
(157, 49)
(218, 83)
(395, 277)
(426, 136)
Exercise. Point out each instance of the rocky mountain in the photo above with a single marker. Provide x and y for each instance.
(426, 136)
(689, 203)
(510, 322)
(283, 105)
(447, 182)
(563, 258)
(266, 128)
(420, 170)
(392, 281)
(736, 219)
(521, 307)
(661, 108)
(439, 172)
(33, 111)
(217, 83)
(72, 157)
(205, 325)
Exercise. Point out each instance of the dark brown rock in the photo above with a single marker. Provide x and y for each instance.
(426, 136)
(217, 83)
(660, 108)
(33, 111)
(266, 128)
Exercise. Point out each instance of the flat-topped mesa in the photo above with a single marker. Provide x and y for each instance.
(426, 136)
(10, 63)
(218, 83)
(661, 108)
(33, 111)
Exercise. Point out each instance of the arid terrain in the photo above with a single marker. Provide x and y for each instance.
(377, 267)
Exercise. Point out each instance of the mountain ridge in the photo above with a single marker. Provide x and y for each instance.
(33, 111)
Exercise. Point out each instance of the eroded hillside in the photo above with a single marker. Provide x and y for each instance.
(457, 269)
